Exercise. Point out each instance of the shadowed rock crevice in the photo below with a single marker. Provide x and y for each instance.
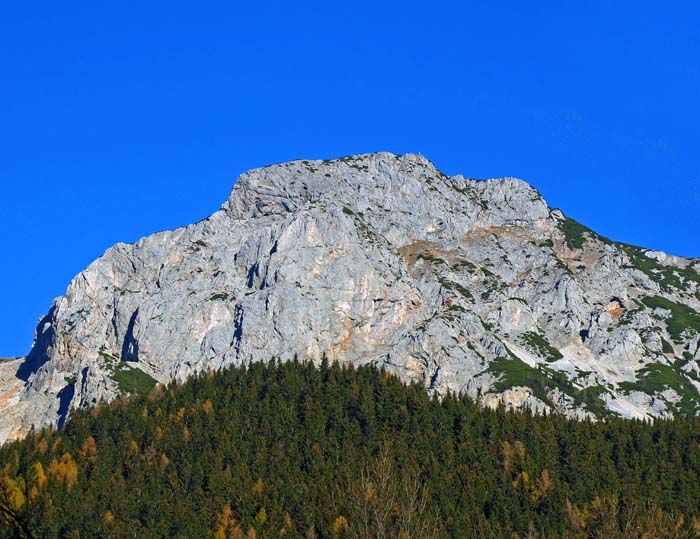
(43, 340)
(253, 275)
(237, 331)
(65, 397)
(130, 347)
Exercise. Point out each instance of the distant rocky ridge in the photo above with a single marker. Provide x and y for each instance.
(472, 286)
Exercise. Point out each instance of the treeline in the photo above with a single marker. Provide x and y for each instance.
(296, 451)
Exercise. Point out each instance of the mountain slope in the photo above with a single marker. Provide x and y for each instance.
(284, 448)
(469, 286)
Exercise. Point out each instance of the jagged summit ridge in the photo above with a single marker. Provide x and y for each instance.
(381, 180)
(468, 285)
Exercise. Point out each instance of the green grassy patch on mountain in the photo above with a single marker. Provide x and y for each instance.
(540, 346)
(590, 398)
(516, 373)
(132, 380)
(453, 286)
(431, 258)
(657, 377)
(681, 319)
(221, 296)
(463, 264)
(575, 233)
(666, 347)
(669, 277)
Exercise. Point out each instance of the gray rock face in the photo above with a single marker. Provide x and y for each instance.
(468, 285)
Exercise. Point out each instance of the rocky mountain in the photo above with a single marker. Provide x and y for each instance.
(472, 286)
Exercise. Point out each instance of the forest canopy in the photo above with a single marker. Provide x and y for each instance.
(296, 450)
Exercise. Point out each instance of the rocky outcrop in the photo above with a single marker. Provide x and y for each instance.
(472, 286)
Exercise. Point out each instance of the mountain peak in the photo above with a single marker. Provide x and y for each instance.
(472, 286)
(407, 183)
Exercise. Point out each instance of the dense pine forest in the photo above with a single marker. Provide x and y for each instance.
(301, 451)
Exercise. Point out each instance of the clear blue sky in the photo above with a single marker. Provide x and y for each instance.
(119, 119)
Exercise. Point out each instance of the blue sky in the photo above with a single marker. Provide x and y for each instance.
(119, 119)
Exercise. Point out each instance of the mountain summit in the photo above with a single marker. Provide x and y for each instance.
(472, 286)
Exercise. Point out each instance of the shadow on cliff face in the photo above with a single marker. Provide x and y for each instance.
(42, 341)
(65, 396)
(130, 347)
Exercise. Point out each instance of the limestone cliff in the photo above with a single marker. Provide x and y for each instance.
(472, 286)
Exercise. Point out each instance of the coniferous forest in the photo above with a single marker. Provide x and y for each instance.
(297, 451)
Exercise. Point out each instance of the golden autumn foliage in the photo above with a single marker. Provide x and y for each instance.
(12, 494)
(156, 393)
(523, 478)
(207, 406)
(33, 494)
(226, 526)
(508, 454)
(18, 495)
(88, 451)
(109, 520)
(340, 525)
(543, 486)
(64, 471)
(512, 452)
(57, 444)
(577, 519)
(40, 475)
(258, 488)
(601, 518)
(43, 446)
(134, 448)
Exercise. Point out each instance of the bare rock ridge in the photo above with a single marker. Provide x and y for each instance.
(472, 286)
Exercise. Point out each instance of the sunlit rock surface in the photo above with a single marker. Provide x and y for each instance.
(473, 286)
